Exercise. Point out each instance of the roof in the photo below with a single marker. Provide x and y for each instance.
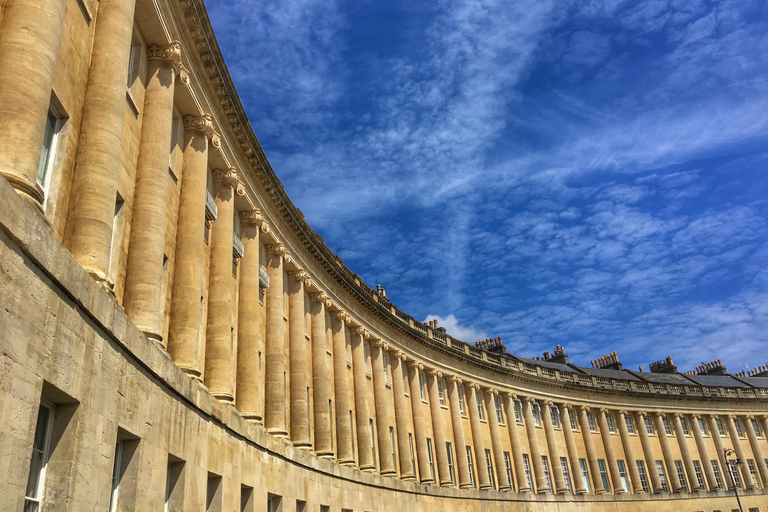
(725, 381)
(760, 382)
(546, 364)
(664, 378)
(608, 374)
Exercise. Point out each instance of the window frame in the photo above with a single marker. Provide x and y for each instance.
(45, 455)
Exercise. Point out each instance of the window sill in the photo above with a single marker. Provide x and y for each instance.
(132, 103)
(444, 407)
(328, 352)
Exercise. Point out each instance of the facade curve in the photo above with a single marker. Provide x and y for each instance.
(175, 335)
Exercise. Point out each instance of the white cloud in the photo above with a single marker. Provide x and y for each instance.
(464, 333)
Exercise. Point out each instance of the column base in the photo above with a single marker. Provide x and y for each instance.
(152, 336)
(30, 192)
(326, 454)
(223, 397)
(277, 432)
(302, 444)
(581, 491)
(191, 371)
(620, 491)
(409, 478)
(506, 488)
(350, 462)
(466, 486)
(486, 488)
(369, 469)
(388, 472)
(447, 483)
(562, 490)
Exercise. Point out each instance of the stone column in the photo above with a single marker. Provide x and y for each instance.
(533, 445)
(477, 437)
(344, 444)
(322, 385)
(597, 482)
(715, 432)
(219, 348)
(756, 451)
(514, 440)
(454, 384)
(629, 454)
(274, 369)
(554, 455)
(365, 454)
(407, 471)
(498, 451)
(685, 453)
(438, 427)
(613, 466)
(383, 406)
(672, 478)
(573, 454)
(703, 455)
(650, 460)
(143, 300)
(419, 422)
(749, 483)
(97, 164)
(249, 341)
(298, 351)
(184, 339)
(30, 33)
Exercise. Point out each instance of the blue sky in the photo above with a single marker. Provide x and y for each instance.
(583, 173)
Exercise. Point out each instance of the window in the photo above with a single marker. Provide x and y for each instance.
(648, 425)
(554, 414)
(330, 421)
(527, 466)
(623, 475)
(585, 473)
(735, 475)
(572, 420)
(604, 474)
(720, 428)
(739, 430)
(591, 421)
(213, 493)
(134, 59)
(451, 470)
(421, 386)
(699, 474)
(566, 474)
(545, 467)
(681, 474)
(174, 484)
(309, 412)
(479, 405)
(352, 437)
(518, 406)
(431, 459)
(392, 447)
(122, 471)
(497, 403)
(667, 426)
(116, 470)
(373, 440)
(301, 506)
(662, 476)
(441, 391)
(702, 426)
(629, 423)
(508, 467)
(756, 428)
(753, 471)
(460, 392)
(536, 412)
(471, 467)
(52, 126)
(273, 502)
(40, 454)
(643, 476)
(490, 467)
(684, 425)
(718, 475)
(611, 423)
(405, 384)
(246, 499)
(410, 446)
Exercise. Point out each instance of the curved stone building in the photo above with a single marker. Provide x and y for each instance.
(174, 336)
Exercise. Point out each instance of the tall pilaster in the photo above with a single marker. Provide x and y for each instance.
(498, 451)
(477, 436)
(144, 301)
(609, 453)
(533, 446)
(749, 483)
(30, 33)
(402, 416)
(629, 453)
(438, 427)
(703, 455)
(420, 429)
(715, 432)
(514, 440)
(362, 417)
(275, 391)
(249, 340)
(454, 385)
(185, 343)
(685, 453)
(594, 468)
(573, 454)
(756, 451)
(322, 383)
(554, 455)
(343, 390)
(97, 164)
(383, 409)
(650, 459)
(666, 451)
(298, 351)
(219, 347)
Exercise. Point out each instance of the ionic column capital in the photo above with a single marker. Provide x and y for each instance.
(399, 354)
(456, 380)
(202, 124)
(549, 403)
(362, 331)
(265, 227)
(276, 249)
(731, 416)
(377, 342)
(433, 372)
(584, 408)
(300, 276)
(170, 54)
(677, 415)
(603, 410)
(216, 140)
(492, 391)
(226, 176)
(340, 315)
(660, 414)
(182, 75)
(642, 414)
(695, 415)
(251, 216)
(320, 297)
(415, 365)
(750, 417)
(473, 386)
(530, 399)
(510, 395)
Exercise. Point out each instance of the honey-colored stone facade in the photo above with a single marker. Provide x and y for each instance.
(200, 348)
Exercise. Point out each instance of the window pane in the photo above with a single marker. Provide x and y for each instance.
(45, 155)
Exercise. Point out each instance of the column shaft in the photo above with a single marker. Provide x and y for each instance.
(274, 369)
(573, 454)
(703, 455)
(610, 454)
(533, 445)
(219, 347)
(554, 455)
(477, 438)
(756, 451)
(249, 340)
(514, 440)
(364, 448)
(382, 404)
(97, 164)
(407, 471)
(438, 428)
(343, 391)
(184, 340)
(454, 384)
(715, 432)
(672, 478)
(298, 351)
(687, 461)
(30, 33)
(498, 451)
(322, 383)
(629, 455)
(144, 300)
(594, 468)
(650, 460)
(419, 423)
(749, 483)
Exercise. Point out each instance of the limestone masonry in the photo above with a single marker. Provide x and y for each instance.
(174, 336)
